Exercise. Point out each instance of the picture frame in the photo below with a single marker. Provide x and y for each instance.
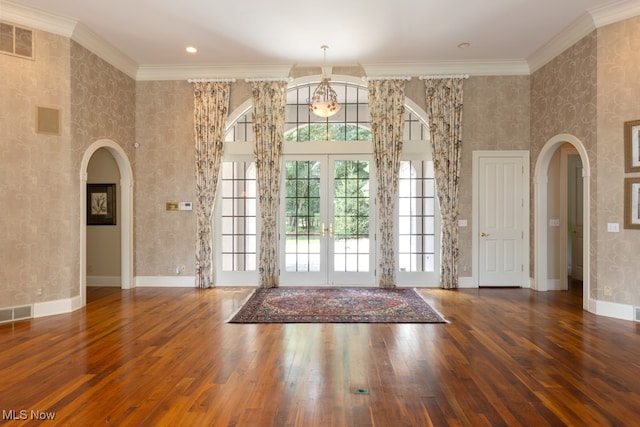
(101, 204)
(632, 203)
(632, 146)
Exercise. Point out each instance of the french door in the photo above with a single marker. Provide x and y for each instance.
(327, 220)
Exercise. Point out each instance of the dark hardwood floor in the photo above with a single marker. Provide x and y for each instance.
(158, 356)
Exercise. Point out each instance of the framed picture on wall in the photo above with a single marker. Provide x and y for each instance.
(632, 146)
(632, 203)
(101, 204)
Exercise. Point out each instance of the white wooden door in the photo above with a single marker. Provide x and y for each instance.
(501, 220)
(576, 227)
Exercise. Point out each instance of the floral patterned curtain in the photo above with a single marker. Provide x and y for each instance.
(386, 112)
(444, 108)
(210, 111)
(269, 102)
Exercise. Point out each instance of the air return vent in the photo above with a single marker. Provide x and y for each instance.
(12, 314)
(16, 41)
(48, 120)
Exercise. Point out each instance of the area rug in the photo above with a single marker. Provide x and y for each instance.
(336, 305)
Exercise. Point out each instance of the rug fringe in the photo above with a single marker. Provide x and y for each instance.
(431, 305)
(242, 303)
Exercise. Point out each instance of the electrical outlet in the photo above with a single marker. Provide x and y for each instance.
(607, 291)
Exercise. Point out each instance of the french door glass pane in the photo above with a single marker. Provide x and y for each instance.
(416, 222)
(302, 216)
(351, 216)
(238, 231)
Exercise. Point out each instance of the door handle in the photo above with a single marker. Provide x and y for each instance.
(483, 234)
(322, 229)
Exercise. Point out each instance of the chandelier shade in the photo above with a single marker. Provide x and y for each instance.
(324, 102)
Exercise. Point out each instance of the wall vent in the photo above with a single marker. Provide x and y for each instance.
(12, 314)
(48, 120)
(16, 41)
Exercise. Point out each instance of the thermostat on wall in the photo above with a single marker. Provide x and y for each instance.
(186, 206)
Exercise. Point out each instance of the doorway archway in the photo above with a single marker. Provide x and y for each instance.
(541, 274)
(126, 211)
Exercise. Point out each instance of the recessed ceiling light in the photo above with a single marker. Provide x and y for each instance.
(464, 45)
(191, 49)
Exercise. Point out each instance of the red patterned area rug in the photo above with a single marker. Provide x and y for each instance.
(336, 305)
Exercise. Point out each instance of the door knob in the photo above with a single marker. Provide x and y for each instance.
(483, 234)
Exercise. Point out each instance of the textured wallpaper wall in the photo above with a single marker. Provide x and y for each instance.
(495, 116)
(102, 107)
(37, 183)
(41, 173)
(165, 172)
(563, 100)
(618, 263)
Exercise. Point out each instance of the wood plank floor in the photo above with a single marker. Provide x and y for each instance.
(166, 357)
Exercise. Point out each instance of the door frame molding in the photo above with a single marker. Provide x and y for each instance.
(126, 214)
(541, 274)
(475, 244)
(565, 152)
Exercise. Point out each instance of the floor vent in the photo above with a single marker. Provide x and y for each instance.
(12, 314)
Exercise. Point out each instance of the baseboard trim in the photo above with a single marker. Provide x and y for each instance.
(554, 285)
(611, 309)
(165, 281)
(466, 282)
(61, 306)
(106, 281)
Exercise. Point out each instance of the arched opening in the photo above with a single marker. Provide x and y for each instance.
(541, 217)
(126, 214)
(310, 143)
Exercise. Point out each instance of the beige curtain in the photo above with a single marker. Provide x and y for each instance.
(386, 113)
(444, 108)
(269, 102)
(210, 106)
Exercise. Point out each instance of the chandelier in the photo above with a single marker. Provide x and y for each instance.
(324, 102)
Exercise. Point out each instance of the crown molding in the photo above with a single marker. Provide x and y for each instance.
(36, 19)
(594, 18)
(579, 28)
(260, 71)
(589, 21)
(185, 72)
(615, 12)
(472, 68)
(65, 27)
(96, 44)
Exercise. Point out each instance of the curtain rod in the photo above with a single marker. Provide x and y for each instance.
(211, 80)
(269, 79)
(365, 78)
(444, 76)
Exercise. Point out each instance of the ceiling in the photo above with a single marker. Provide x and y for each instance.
(153, 34)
